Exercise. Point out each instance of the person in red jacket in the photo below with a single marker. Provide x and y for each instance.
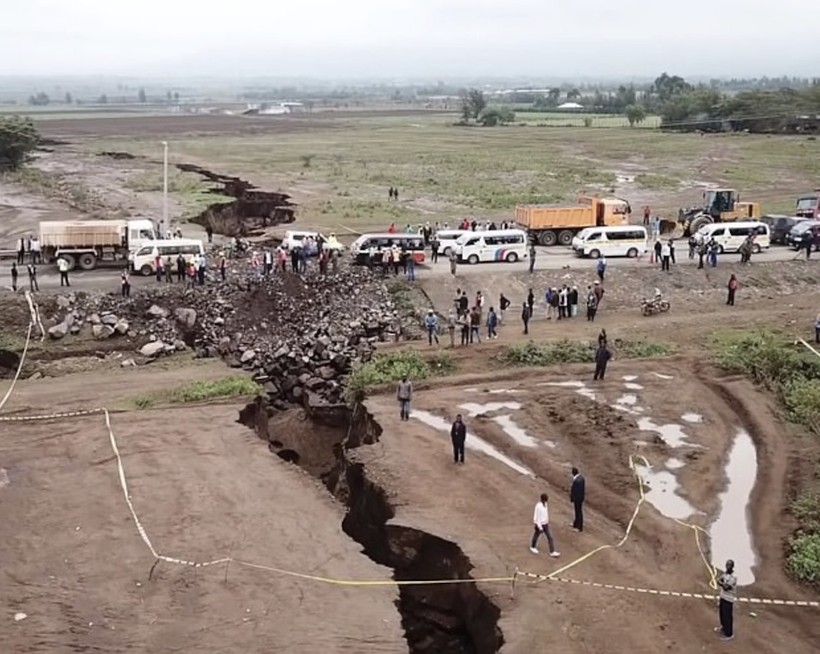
(732, 287)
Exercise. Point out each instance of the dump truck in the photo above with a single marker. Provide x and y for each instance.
(719, 206)
(808, 206)
(87, 243)
(548, 225)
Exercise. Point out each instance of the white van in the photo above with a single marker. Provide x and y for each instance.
(447, 239)
(616, 241)
(494, 245)
(143, 260)
(730, 236)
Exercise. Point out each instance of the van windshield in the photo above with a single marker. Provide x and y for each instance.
(584, 233)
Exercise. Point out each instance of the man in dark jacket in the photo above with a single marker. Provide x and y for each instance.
(577, 492)
(458, 434)
(525, 318)
(602, 357)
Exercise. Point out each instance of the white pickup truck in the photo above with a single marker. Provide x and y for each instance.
(86, 243)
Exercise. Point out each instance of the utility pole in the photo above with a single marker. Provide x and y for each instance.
(165, 225)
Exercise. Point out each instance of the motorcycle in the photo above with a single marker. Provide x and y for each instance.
(655, 305)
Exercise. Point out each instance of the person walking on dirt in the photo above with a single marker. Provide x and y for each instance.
(453, 262)
(434, 246)
(463, 304)
(431, 323)
(727, 583)
(541, 525)
(14, 276)
(672, 250)
(62, 266)
(647, 214)
(32, 278)
(603, 339)
(125, 284)
(168, 268)
(531, 301)
(410, 268)
(526, 313)
(602, 357)
(665, 255)
(693, 244)
(657, 248)
(210, 232)
(475, 325)
(492, 324)
(458, 435)
(592, 304)
(451, 327)
(21, 251)
(503, 305)
(404, 393)
(817, 329)
(532, 258)
(601, 269)
(577, 494)
(598, 291)
(732, 288)
(180, 268)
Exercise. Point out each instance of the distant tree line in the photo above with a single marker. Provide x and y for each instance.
(475, 109)
(42, 99)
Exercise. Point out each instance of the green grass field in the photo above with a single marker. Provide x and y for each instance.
(339, 171)
(573, 119)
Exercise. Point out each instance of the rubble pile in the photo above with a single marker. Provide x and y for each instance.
(297, 334)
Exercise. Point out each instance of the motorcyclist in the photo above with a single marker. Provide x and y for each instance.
(658, 296)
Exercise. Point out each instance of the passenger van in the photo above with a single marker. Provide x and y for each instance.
(376, 243)
(730, 236)
(447, 239)
(508, 245)
(143, 260)
(616, 241)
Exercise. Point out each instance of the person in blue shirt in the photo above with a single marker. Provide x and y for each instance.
(601, 268)
(492, 323)
(431, 322)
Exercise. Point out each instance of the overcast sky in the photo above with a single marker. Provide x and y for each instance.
(423, 38)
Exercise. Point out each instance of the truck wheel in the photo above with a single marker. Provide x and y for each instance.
(88, 261)
(70, 260)
(547, 238)
(146, 271)
(594, 254)
(565, 237)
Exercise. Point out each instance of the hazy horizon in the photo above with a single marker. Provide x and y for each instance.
(419, 39)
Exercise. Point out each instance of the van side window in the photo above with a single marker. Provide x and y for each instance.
(595, 237)
(631, 235)
(718, 232)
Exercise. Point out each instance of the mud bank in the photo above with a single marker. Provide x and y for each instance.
(455, 618)
(251, 209)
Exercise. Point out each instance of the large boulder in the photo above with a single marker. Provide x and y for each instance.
(155, 311)
(186, 317)
(58, 331)
(152, 349)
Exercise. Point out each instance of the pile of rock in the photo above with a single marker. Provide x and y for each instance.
(74, 316)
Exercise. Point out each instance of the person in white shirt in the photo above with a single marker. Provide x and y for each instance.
(541, 523)
(62, 266)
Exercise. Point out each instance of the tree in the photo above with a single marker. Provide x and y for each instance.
(18, 138)
(69, 98)
(168, 97)
(141, 96)
(492, 116)
(39, 100)
(103, 99)
(635, 114)
(573, 94)
(176, 97)
(667, 86)
(473, 102)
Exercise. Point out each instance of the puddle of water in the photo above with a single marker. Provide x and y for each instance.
(674, 464)
(493, 391)
(514, 431)
(620, 407)
(693, 418)
(631, 386)
(662, 376)
(673, 434)
(473, 409)
(565, 384)
(629, 378)
(730, 533)
(587, 392)
(473, 442)
(663, 493)
(627, 400)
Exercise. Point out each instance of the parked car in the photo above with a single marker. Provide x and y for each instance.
(794, 238)
(780, 226)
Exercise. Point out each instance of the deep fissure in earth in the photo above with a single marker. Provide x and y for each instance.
(249, 213)
(455, 618)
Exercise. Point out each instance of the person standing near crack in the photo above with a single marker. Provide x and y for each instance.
(458, 435)
(541, 524)
(404, 394)
(577, 494)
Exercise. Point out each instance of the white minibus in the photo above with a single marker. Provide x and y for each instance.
(143, 260)
(447, 239)
(493, 245)
(730, 236)
(616, 241)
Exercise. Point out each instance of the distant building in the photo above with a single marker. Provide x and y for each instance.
(570, 106)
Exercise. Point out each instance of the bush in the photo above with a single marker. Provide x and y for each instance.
(201, 391)
(806, 509)
(566, 351)
(804, 561)
(387, 368)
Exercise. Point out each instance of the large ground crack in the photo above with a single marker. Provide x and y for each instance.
(251, 210)
(453, 618)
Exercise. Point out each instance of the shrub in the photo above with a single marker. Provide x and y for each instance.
(391, 367)
(804, 561)
(566, 351)
(806, 509)
(201, 391)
